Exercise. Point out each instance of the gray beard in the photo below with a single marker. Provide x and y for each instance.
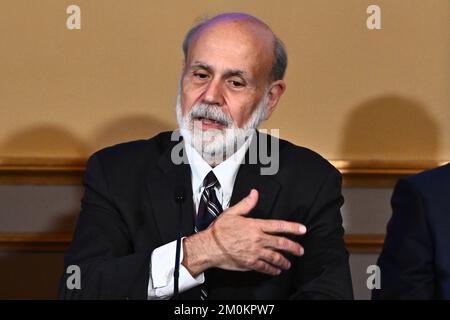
(217, 145)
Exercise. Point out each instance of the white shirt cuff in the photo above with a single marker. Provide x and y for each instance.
(162, 267)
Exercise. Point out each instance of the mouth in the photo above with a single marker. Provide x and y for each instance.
(207, 123)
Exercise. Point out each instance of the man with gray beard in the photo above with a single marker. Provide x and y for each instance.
(244, 233)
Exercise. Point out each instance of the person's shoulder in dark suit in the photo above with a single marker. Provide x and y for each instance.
(144, 152)
(415, 261)
(298, 163)
(128, 162)
(290, 154)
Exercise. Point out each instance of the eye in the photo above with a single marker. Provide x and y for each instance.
(236, 83)
(200, 75)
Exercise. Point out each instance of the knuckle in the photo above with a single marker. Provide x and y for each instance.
(294, 227)
(259, 265)
(265, 267)
(247, 202)
(277, 259)
(290, 245)
(279, 226)
(262, 266)
(252, 223)
(282, 242)
(271, 225)
(258, 239)
(253, 261)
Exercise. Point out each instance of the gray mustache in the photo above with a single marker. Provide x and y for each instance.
(209, 111)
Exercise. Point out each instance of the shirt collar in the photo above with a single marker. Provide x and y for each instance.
(225, 172)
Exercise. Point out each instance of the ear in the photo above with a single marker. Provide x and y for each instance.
(276, 90)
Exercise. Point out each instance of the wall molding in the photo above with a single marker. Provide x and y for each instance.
(59, 242)
(34, 242)
(380, 173)
(47, 171)
(364, 243)
(356, 173)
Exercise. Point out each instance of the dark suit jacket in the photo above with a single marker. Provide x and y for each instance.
(128, 210)
(415, 261)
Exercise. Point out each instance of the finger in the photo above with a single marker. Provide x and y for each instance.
(267, 268)
(281, 226)
(276, 259)
(284, 244)
(245, 205)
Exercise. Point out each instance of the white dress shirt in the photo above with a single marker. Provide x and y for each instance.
(160, 284)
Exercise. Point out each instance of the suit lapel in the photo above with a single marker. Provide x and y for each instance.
(249, 177)
(161, 185)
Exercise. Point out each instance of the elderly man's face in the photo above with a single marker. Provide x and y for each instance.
(228, 66)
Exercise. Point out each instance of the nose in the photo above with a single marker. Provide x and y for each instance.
(213, 93)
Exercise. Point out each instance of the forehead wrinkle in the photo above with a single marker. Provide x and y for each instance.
(252, 34)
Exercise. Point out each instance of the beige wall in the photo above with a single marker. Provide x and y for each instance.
(352, 93)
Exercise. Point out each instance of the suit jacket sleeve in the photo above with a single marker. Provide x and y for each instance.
(406, 262)
(102, 247)
(324, 271)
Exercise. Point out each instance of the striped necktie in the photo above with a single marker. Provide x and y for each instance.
(208, 209)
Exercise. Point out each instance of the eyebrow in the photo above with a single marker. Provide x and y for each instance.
(228, 72)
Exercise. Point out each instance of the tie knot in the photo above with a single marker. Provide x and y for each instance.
(210, 180)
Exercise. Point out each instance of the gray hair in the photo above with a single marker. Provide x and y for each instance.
(279, 64)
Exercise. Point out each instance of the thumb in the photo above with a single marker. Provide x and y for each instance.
(245, 205)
